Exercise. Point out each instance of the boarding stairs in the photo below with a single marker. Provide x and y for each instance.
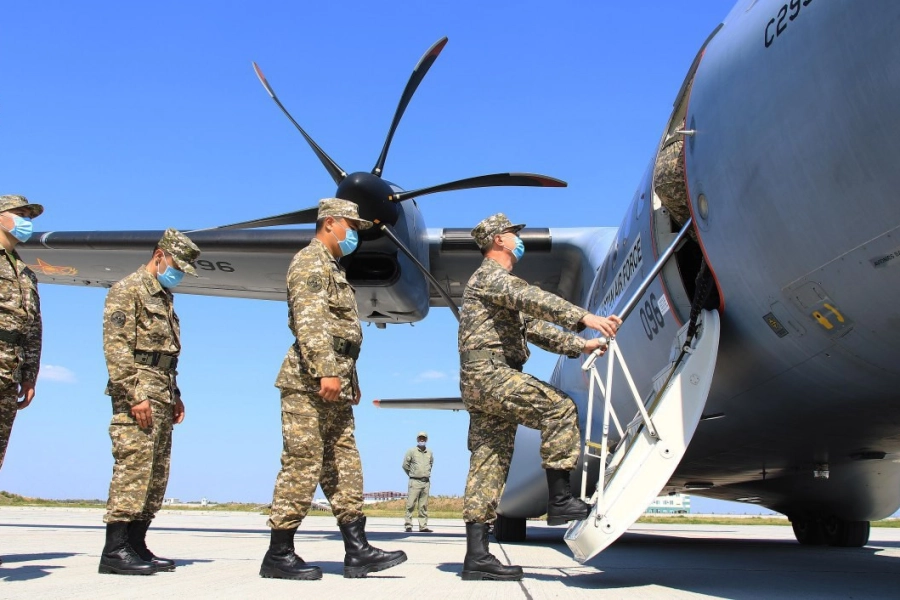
(653, 443)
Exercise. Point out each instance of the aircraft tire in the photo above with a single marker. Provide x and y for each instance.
(846, 534)
(809, 532)
(507, 529)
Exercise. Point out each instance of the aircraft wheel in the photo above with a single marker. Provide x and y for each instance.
(808, 532)
(507, 529)
(846, 534)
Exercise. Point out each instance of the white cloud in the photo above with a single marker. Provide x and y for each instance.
(431, 376)
(56, 373)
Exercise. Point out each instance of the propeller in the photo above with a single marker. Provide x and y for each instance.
(376, 198)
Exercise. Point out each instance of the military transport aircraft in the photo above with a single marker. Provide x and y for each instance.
(785, 223)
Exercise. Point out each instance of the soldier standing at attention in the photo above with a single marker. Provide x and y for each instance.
(319, 388)
(20, 316)
(417, 465)
(141, 340)
(500, 314)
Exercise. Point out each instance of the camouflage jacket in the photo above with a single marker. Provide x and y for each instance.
(139, 316)
(321, 306)
(502, 312)
(20, 313)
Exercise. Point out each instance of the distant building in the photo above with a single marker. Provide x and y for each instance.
(372, 497)
(676, 504)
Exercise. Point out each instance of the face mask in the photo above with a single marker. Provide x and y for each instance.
(421, 445)
(22, 228)
(518, 250)
(349, 243)
(170, 277)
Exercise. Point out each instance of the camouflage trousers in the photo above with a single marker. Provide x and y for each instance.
(417, 493)
(499, 399)
(8, 409)
(319, 449)
(141, 469)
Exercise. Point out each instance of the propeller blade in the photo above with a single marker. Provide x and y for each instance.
(415, 79)
(297, 217)
(336, 172)
(434, 282)
(497, 179)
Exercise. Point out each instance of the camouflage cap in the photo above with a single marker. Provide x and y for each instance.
(422, 434)
(485, 231)
(13, 201)
(335, 207)
(182, 250)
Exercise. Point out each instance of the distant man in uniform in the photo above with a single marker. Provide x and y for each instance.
(500, 314)
(20, 316)
(417, 465)
(319, 388)
(141, 341)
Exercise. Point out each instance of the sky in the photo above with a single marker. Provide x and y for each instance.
(148, 115)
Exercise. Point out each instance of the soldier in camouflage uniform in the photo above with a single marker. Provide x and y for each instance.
(319, 388)
(500, 314)
(20, 316)
(141, 340)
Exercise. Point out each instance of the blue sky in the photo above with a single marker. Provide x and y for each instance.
(144, 116)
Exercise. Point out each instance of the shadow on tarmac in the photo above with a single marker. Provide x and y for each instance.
(10, 572)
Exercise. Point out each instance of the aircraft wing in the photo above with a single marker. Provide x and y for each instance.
(252, 263)
(238, 263)
(417, 403)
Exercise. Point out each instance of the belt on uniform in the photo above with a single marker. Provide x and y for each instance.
(167, 362)
(473, 355)
(425, 479)
(12, 337)
(341, 346)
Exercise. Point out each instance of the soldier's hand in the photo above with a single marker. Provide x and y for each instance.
(595, 344)
(143, 414)
(178, 414)
(26, 393)
(330, 388)
(605, 325)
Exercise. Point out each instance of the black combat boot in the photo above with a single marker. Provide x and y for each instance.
(280, 561)
(480, 563)
(137, 534)
(361, 558)
(563, 506)
(119, 557)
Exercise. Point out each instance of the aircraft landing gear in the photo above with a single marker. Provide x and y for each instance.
(812, 531)
(845, 534)
(507, 529)
(808, 531)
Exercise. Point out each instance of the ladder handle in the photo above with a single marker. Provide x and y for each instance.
(593, 356)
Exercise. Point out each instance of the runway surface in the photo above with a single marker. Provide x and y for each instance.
(54, 552)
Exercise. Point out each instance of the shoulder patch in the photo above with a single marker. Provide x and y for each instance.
(314, 283)
(118, 318)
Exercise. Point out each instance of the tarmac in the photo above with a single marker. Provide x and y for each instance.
(54, 553)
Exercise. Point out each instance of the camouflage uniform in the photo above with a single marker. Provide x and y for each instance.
(501, 313)
(319, 445)
(20, 324)
(417, 466)
(140, 327)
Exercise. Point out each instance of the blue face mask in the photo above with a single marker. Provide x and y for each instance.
(170, 277)
(421, 445)
(518, 250)
(22, 228)
(349, 243)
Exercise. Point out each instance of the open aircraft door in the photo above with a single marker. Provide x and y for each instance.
(655, 441)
